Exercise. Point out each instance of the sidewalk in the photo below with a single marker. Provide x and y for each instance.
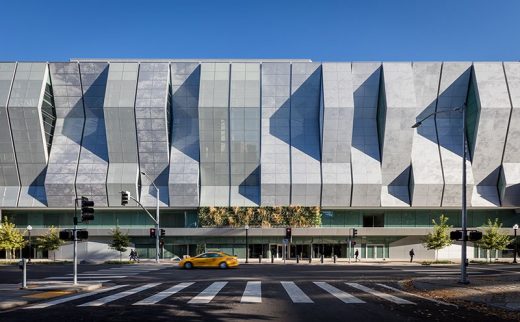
(499, 295)
(12, 296)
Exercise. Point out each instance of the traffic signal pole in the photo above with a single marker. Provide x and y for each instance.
(75, 236)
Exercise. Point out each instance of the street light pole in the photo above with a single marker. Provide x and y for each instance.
(247, 243)
(29, 228)
(464, 215)
(157, 228)
(515, 228)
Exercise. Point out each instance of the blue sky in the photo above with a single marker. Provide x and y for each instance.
(320, 30)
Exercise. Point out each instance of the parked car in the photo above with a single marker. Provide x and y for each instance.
(210, 259)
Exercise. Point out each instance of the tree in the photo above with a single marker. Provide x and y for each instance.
(120, 241)
(439, 237)
(50, 241)
(493, 238)
(10, 238)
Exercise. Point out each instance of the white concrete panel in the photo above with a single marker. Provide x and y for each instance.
(366, 161)
(453, 90)
(427, 181)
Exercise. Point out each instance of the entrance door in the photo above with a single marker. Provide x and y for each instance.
(277, 250)
(375, 251)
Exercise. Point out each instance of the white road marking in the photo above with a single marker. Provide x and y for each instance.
(295, 293)
(343, 296)
(72, 298)
(83, 277)
(382, 295)
(117, 296)
(164, 294)
(418, 296)
(208, 294)
(252, 293)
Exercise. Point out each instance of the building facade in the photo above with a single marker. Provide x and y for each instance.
(260, 133)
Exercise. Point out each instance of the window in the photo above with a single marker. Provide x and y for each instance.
(377, 220)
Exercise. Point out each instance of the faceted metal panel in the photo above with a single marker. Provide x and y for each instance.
(120, 124)
(9, 181)
(305, 134)
(336, 134)
(366, 161)
(151, 113)
(93, 161)
(64, 156)
(509, 187)
(275, 165)
(214, 134)
(426, 182)
(244, 127)
(185, 154)
(494, 106)
(30, 144)
(453, 90)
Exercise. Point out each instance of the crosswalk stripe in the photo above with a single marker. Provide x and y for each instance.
(343, 296)
(415, 295)
(295, 293)
(252, 293)
(72, 298)
(208, 294)
(382, 295)
(164, 294)
(117, 296)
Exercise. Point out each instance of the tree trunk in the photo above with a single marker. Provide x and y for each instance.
(436, 255)
(487, 256)
(120, 257)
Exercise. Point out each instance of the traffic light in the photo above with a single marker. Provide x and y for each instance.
(354, 232)
(288, 233)
(82, 234)
(456, 235)
(163, 232)
(353, 243)
(66, 234)
(475, 235)
(124, 197)
(87, 212)
(152, 232)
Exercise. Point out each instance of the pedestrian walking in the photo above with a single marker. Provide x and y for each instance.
(412, 254)
(356, 254)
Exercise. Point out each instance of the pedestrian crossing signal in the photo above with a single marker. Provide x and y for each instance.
(288, 233)
(152, 232)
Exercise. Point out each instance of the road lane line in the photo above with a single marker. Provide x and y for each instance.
(117, 296)
(83, 277)
(343, 296)
(295, 293)
(418, 296)
(164, 294)
(72, 298)
(382, 295)
(252, 293)
(208, 294)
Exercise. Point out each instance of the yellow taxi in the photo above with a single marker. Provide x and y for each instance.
(210, 259)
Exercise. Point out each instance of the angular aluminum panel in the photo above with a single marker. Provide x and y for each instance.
(336, 134)
(9, 181)
(244, 129)
(488, 112)
(185, 155)
(214, 134)
(509, 187)
(275, 164)
(453, 90)
(119, 111)
(93, 160)
(305, 134)
(426, 182)
(366, 161)
(152, 113)
(64, 156)
(27, 126)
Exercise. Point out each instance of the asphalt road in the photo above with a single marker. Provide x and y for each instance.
(266, 292)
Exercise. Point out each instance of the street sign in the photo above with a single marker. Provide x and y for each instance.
(285, 241)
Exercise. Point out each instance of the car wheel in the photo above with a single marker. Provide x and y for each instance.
(222, 265)
(188, 265)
